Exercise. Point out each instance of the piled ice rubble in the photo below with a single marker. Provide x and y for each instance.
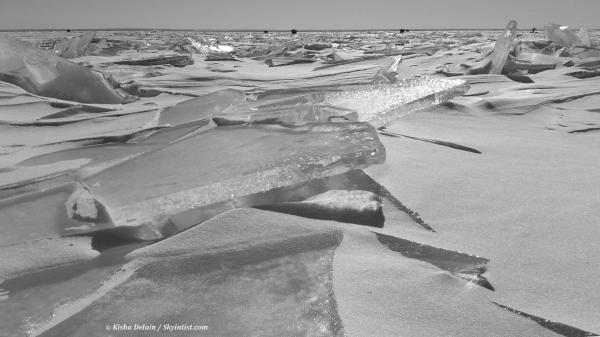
(101, 176)
(517, 57)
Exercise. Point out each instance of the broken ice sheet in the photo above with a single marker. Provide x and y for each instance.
(227, 162)
(503, 47)
(381, 104)
(243, 272)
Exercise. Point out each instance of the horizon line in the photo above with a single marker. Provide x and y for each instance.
(259, 30)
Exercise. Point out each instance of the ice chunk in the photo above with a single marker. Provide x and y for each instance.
(73, 47)
(227, 162)
(562, 35)
(220, 49)
(393, 67)
(44, 74)
(83, 206)
(291, 114)
(504, 44)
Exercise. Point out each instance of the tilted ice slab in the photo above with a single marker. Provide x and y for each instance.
(377, 104)
(381, 104)
(228, 162)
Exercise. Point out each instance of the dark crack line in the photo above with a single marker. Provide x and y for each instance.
(584, 74)
(433, 141)
(383, 192)
(560, 328)
(585, 130)
(467, 267)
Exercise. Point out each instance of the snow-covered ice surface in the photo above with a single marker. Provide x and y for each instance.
(146, 180)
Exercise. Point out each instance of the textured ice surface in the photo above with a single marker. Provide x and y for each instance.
(44, 74)
(503, 47)
(228, 162)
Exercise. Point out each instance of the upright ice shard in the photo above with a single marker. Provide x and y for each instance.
(228, 162)
(503, 46)
(562, 35)
(44, 74)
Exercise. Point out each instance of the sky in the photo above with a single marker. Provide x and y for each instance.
(299, 14)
